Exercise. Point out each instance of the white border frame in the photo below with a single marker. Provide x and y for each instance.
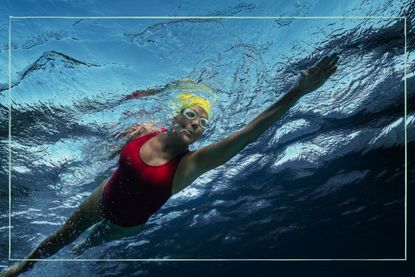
(209, 17)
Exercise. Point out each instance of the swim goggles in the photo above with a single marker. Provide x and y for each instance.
(191, 114)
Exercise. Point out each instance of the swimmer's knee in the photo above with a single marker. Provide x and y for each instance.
(81, 246)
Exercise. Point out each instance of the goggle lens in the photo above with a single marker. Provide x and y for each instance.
(204, 123)
(191, 114)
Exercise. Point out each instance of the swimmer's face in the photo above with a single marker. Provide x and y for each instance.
(190, 130)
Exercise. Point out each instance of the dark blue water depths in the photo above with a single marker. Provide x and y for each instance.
(327, 181)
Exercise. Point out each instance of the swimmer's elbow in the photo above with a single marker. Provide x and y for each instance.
(217, 154)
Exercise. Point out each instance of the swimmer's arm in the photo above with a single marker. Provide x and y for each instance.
(216, 154)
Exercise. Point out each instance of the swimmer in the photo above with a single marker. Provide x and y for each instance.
(155, 164)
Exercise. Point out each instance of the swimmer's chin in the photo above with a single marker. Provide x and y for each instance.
(184, 136)
(188, 133)
(187, 137)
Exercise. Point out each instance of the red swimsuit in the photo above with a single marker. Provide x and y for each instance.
(136, 190)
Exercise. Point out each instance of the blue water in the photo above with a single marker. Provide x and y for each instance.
(327, 181)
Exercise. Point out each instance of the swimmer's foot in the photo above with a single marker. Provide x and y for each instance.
(14, 270)
(80, 248)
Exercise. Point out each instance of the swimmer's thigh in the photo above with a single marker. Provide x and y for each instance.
(89, 212)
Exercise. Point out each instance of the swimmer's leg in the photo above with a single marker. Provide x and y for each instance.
(94, 238)
(87, 214)
(106, 231)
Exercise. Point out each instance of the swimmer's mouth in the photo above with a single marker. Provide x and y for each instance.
(189, 132)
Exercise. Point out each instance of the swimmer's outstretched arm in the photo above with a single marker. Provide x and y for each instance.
(216, 154)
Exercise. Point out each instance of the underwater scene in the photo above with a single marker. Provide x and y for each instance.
(328, 181)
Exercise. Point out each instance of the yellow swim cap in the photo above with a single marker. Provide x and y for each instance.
(187, 100)
(188, 93)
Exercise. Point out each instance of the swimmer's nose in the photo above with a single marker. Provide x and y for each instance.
(194, 125)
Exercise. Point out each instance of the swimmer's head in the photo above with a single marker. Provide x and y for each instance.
(192, 108)
(188, 100)
(192, 117)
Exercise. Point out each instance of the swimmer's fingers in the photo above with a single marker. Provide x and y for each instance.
(129, 132)
(325, 64)
(331, 66)
(330, 71)
(334, 58)
(314, 77)
(120, 134)
(134, 132)
(329, 62)
(321, 63)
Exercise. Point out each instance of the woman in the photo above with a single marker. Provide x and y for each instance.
(156, 164)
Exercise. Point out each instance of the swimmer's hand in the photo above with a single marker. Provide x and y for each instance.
(314, 77)
(135, 131)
